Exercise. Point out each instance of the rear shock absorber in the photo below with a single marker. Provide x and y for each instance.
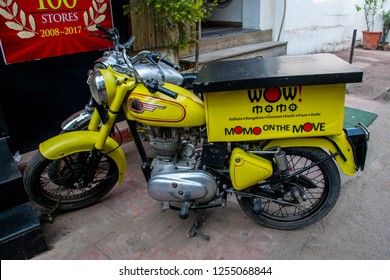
(281, 162)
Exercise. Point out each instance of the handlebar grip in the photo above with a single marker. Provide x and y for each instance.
(129, 42)
(153, 86)
(167, 92)
(169, 63)
(105, 30)
(157, 58)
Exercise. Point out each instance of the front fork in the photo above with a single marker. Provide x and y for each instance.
(92, 166)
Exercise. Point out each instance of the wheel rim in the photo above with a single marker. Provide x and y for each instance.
(63, 179)
(314, 193)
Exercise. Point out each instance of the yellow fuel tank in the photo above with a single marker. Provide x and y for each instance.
(157, 109)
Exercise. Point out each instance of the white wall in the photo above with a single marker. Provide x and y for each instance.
(231, 13)
(313, 26)
(267, 14)
(252, 14)
(310, 26)
(251, 11)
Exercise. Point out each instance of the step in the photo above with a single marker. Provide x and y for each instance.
(265, 49)
(11, 182)
(21, 237)
(220, 40)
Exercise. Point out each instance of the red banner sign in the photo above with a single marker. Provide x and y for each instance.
(37, 29)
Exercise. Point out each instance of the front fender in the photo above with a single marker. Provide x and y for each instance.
(333, 144)
(81, 141)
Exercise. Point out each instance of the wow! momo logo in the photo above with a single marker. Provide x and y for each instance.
(274, 94)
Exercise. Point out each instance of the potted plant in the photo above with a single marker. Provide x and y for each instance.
(176, 19)
(386, 26)
(372, 11)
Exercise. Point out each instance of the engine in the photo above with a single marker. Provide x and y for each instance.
(175, 176)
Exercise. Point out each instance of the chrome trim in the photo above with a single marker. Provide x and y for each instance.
(97, 87)
(75, 121)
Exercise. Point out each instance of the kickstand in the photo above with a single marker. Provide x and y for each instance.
(196, 225)
(48, 216)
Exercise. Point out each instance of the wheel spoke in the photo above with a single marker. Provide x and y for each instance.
(289, 204)
(64, 178)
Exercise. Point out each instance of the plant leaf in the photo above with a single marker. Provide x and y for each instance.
(103, 8)
(95, 6)
(92, 28)
(91, 13)
(9, 2)
(23, 17)
(14, 26)
(86, 18)
(25, 34)
(5, 14)
(31, 20)
(15, 9)
(2, 3)
(100, 18)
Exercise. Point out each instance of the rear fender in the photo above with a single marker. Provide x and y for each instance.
(335, 143)
(82, 141)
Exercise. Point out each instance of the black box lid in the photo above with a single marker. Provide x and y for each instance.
(300, 70)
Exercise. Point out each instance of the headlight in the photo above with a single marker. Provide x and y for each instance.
(97, 87)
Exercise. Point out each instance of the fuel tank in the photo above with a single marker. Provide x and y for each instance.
(157, 109)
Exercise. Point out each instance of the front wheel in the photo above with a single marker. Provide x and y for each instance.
(301, 201)
(68, 183)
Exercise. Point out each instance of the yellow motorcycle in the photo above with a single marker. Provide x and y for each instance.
(268, 131)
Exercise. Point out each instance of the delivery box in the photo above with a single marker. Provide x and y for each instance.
(284, 97)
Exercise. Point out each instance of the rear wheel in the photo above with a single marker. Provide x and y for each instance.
(68, 182)
(303, 200)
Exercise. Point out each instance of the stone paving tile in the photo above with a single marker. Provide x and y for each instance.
(91, 253)
(161, 252)
(65, 246)
(130, 204)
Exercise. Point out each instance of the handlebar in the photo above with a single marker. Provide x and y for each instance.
(154, 58)
(105, 30)
(110, 34)
(157, 57)
(153, 86)
(151, 56)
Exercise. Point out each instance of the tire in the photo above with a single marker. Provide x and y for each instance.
(319, 186)
(49, 182)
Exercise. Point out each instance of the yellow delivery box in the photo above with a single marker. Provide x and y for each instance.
(275, 112)
(285, 97)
